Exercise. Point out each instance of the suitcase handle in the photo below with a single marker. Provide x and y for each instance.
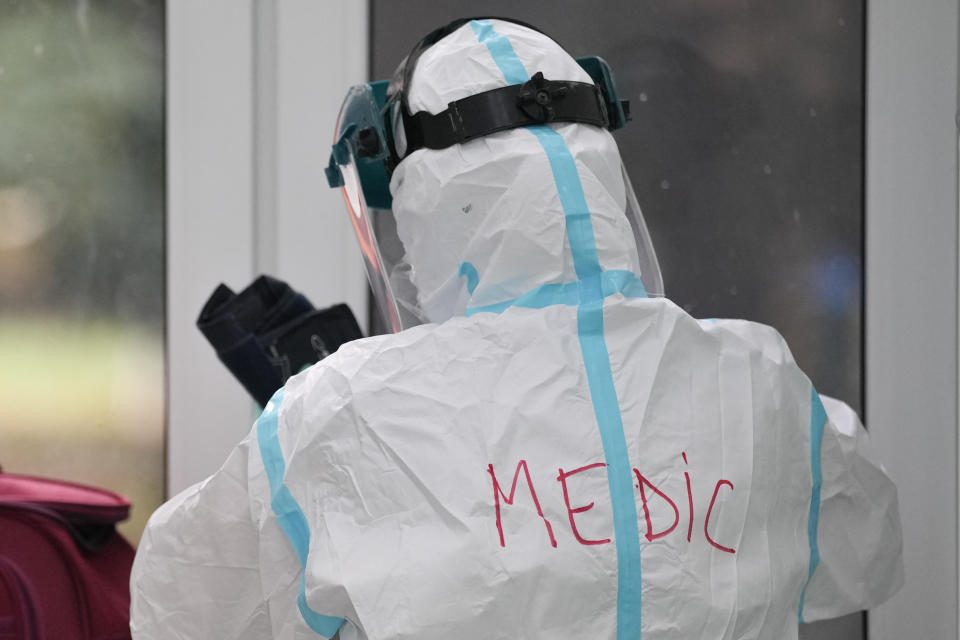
(89, 536)
(76, 502)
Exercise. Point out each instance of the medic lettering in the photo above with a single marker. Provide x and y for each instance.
(648, 494)
(498, 494)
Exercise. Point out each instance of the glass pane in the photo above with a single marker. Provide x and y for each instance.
(81, 245)
(746, 151)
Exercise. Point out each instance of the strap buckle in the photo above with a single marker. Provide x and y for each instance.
(538, 96)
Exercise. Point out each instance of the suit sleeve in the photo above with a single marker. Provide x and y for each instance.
(196, 573)
(859, 536)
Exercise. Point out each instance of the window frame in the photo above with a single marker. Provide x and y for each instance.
(911, 280)
(248, 125)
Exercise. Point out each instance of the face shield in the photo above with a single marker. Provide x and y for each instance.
(376, 132)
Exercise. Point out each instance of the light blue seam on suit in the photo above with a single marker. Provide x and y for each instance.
(568, 294)
(818, 420)
(289, 514)
(470, 272)
(588, 294)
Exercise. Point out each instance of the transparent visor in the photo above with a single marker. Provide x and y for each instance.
(382, 253)
(646, 256)
(389, 273)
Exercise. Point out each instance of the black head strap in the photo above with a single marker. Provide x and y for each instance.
(535, 102)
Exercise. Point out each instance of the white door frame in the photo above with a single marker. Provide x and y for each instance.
(911, 298)
(253, 91)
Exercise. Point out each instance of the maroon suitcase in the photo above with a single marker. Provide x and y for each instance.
(64, 571)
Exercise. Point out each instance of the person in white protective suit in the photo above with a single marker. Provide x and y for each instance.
(556, 452)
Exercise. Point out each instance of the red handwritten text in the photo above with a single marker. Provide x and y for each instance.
(498, 493)
(648, 491)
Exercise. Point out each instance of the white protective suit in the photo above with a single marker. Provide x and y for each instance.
(556, 456)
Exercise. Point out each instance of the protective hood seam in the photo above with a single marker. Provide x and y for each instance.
(289, 515)
(589, 295)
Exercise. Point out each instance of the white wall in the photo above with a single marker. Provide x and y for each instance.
(254, 87)
(911, 293)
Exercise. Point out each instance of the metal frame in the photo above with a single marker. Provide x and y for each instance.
(911, 298)
(254, 87)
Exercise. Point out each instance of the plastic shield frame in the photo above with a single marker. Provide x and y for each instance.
(357, 166)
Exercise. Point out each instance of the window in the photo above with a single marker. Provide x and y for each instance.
(81, 245)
